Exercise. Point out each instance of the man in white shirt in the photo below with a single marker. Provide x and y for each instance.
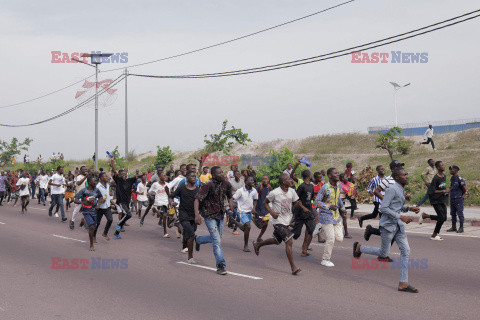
(282, 199)
(429, 136)
(142, 198)
(24, 194)
(231, 173)
(160, 190)
(57, 183)
(246, 198)
(42, 182)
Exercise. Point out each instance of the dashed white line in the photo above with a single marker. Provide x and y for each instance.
(229, 272)
(2, 222)
(62, 237)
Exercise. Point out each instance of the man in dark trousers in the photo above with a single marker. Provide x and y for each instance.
(124, 194)
(438, 194)
(457, 191)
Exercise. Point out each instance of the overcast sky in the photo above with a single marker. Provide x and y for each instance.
(321, 98)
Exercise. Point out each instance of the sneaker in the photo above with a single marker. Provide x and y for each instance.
(385, 259)
(452, 229)
(191, 261)
(355, 253)
(141, 223)
(184, 250)
(327, 263)
(72, 225)
(368, 232)
(436, 238)
(118, 228)
(166, 235)
(221, 270)
(117, 235)
(197, 245)
(64, 219)
(123, 229)
(460, 230)
(56, 215)
(318, 227)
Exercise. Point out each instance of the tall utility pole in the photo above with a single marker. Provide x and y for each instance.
(396, 87)
(96, 59)
(126, 115)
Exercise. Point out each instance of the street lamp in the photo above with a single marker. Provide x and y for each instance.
(96, 59)
(396, 87)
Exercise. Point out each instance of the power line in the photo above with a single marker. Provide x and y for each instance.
(235, 39)
(185, 53)
(114, 83)
(45, 95)
(318, 58)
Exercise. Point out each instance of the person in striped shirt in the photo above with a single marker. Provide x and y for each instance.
(379, 192)
(372, 186)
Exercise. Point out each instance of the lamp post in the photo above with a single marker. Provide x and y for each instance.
(396, 87)
(96, 59)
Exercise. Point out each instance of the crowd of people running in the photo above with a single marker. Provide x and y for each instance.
(185, 198)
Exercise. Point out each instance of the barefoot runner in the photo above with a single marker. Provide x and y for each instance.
(88, 198)
(281, 199)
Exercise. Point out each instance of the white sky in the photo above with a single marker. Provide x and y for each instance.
(321, 98)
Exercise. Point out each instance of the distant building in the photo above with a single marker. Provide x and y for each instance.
(418, 129)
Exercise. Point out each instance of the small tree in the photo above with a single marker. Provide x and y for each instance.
(278, 161)
(391, 142)
(165, 156)
(223, 141)
(10, 150)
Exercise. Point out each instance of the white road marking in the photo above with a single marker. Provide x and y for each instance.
(213, 269)
(2, 222)
(56, 235)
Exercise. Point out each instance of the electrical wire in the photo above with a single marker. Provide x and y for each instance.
(185, 53)
(45, 95)
(114, 83)
(317, 58)
(235, 39)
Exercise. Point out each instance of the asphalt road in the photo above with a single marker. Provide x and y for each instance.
(156, 286)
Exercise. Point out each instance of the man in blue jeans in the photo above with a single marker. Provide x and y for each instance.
(209, 204)
(393, 228)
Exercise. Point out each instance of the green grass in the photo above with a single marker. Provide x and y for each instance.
(461, 149)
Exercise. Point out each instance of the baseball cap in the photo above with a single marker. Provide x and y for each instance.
(454, 167)
(396, 164)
